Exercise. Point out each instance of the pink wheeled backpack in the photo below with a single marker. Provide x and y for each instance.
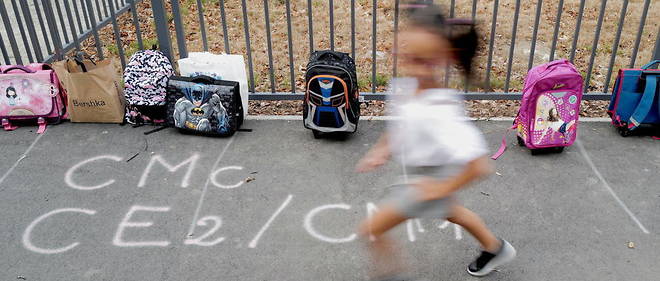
(550, 108)
(31, 93)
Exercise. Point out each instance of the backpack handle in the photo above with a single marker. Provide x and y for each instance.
(650, 64)
(18, 67)
(203, 79)
(556, 62)
(332, 54)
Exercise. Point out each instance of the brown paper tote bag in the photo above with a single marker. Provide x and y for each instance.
(93, 88)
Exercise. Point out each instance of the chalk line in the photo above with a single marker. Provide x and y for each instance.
(20, 159)
(254, 241)
(206, 187)
(608, 188)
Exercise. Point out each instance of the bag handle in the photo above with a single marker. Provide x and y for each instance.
(18, 67)
(332, 54)
(645, 103)
(80, 58)
(556, 62)
(648, 65)
(203, 79)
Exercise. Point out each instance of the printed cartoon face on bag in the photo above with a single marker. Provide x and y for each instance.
(555, 118)
(20, 96)
(200, 109)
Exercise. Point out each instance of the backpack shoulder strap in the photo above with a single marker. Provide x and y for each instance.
(646, 103)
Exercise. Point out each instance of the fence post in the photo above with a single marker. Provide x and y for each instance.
(656, 53)
(162, 30)
(54, 33)
(179, 29)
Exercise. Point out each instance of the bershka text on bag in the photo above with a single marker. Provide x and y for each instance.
(92, 103)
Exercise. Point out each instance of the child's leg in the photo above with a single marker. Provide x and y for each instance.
(473, 224)
(382, 250)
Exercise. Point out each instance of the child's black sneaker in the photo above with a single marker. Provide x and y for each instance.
(487, 261)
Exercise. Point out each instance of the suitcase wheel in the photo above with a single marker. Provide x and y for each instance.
(521, 142)
(624, 132)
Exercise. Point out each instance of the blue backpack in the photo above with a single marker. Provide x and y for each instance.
(636, 99)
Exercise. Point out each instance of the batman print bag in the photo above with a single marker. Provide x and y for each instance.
(204, 105)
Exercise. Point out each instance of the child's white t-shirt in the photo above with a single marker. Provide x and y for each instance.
(431, 129)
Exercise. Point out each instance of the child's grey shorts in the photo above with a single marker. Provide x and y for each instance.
(404, 196)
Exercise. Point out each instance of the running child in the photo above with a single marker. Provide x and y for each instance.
(441, 151)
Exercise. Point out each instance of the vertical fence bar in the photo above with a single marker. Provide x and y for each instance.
(179, 29)
(136, 23)
(640, 30)
(595, 44)
(513, 46)
(532, 48)
(115, 27)
(3, 50)
(396, 38)
(656, 53)
(332, 24)
(105, 8)
(21, 29)
(288, 28)
(353, 29)
(59, 14)
(310, 24)
(78, 18)
(202, 25)
(83, 5)
(269, 43)
(246, 25)
(451, 15)
(162, 30)
(54, 31)
(99, 10)
(42, 25)
(560, 8)
(577, 30)
(615, 46)
(72, 24)
(33, 34)
(95, 31)
(225, 34)
(10, 34)
(491, 42)
(467, 80)
(373, 46)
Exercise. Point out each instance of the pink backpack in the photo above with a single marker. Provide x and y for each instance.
(550, 108)
(30, 93)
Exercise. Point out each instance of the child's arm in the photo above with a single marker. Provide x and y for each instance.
(376, 157)
(435, 189)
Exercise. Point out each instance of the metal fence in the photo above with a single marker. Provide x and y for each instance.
(45, 30)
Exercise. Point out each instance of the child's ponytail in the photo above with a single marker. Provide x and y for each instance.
(464, 42)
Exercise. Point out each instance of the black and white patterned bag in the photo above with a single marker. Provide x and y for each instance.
(145, 85)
